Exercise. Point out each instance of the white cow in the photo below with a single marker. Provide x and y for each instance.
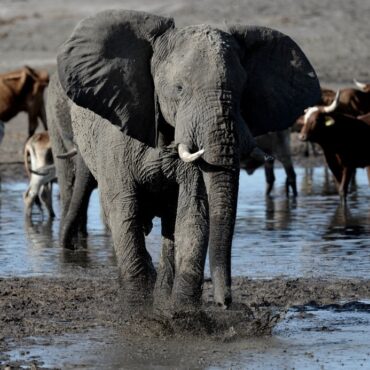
(38, 161)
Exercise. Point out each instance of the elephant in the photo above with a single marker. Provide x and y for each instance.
(76, 183)
(204, 90)
(23, 90)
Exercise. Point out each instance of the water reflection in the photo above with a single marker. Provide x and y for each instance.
(39, 233)
(278, 212)
(346, 225)
(274, 236)
(311, 185)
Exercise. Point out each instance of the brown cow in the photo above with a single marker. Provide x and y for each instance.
(351, 101)
(37, 151)
(343, 138)
(22, 90)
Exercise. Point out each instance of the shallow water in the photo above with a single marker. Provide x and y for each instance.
(309, 236)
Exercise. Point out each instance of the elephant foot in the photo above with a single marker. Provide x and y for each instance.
(221, 291)
(186, 293)
(136, 295)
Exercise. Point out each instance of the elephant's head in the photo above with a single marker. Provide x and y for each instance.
(207, 89)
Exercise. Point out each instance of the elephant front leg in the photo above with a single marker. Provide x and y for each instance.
(166, 268)
(191, 241)
(137, 273)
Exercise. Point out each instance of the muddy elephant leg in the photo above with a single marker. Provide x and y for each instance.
(191, 241)
(73, 224)
(166, 268)
(64, 171)
(137, 273)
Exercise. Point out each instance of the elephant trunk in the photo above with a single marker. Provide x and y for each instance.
(222, 188)
(222, 139)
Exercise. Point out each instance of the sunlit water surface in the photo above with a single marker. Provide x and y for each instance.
(312, 235)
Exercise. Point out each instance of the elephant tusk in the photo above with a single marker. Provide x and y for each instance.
(185, 154)
(67, 155)
(360, 85)
(333, 106)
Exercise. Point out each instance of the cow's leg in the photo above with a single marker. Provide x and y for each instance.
(32, 123)
(270, 176)
(348, 173)
(46, 198)
(291, 181)
(335, 167)
(31, 196)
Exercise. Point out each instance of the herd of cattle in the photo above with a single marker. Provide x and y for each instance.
(339, 123)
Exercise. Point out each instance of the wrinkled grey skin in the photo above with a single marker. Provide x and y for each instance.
(197, 86)
(139, 183)
(75, 180)
(276, 144)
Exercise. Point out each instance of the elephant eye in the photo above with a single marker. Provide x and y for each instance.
(179, 88)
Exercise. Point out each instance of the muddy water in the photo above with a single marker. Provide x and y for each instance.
(310, 237)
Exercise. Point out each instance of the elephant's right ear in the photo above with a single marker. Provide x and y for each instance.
(281, 82)
(105, 66)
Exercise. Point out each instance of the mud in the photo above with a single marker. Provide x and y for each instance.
(47, 307)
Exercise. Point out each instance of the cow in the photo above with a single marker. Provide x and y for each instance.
(344, 140)
(277, 145)
(354, 102)
(38, 161)
(22, 90)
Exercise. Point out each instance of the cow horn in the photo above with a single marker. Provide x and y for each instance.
(333, 106)
(185, 154)
(360, 85)
(67, 155)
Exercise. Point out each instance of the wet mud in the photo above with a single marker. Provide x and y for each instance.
(39, 310)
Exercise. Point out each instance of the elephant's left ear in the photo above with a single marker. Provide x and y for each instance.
(105, 66)
(281, 82)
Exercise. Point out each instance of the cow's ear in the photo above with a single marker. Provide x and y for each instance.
(105, 66)
(281, 82)
(18, 81)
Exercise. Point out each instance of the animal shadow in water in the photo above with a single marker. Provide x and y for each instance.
(278, 212)
(39, 233)
(310, 185)
(344, 225)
